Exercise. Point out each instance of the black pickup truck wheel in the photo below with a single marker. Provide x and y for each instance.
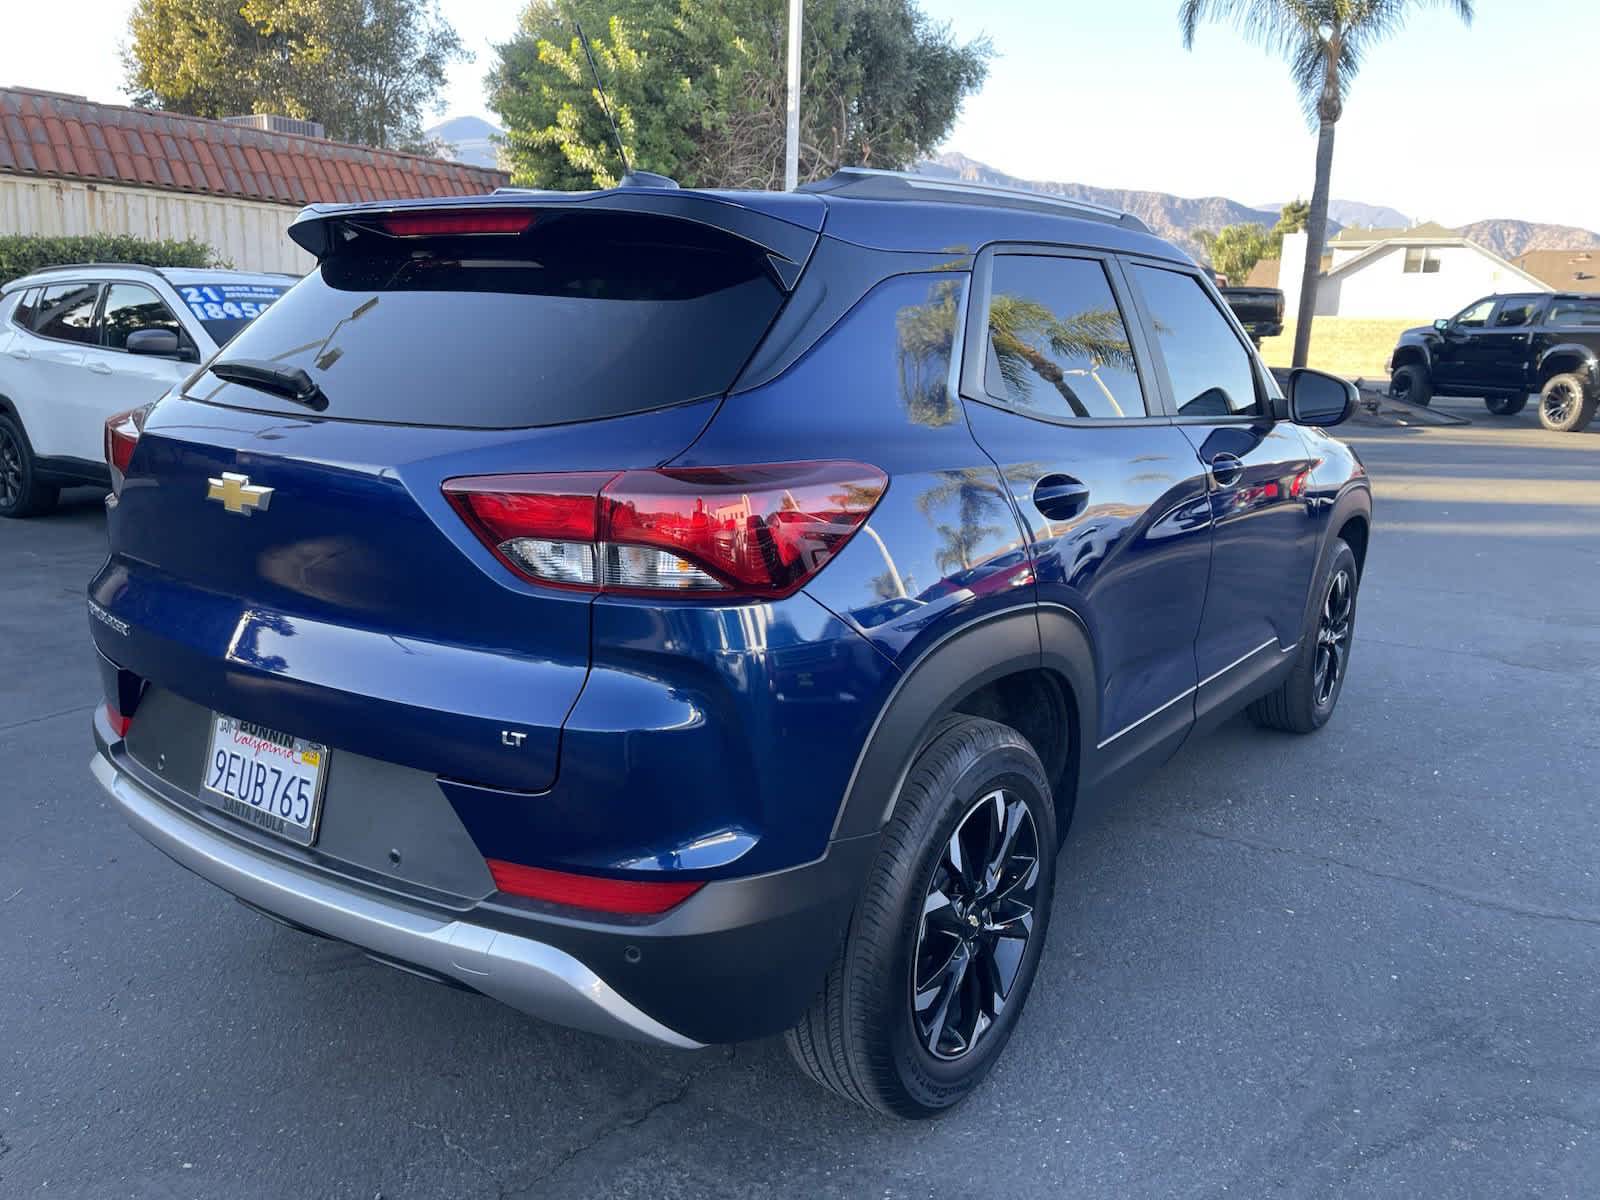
(1506, 406)
(1566, 405)
(1411, 383)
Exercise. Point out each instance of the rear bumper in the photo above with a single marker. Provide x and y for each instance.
(740, 959)
(526, 974)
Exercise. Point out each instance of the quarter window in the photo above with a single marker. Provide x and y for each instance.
(1058, 346)
(1421, 260)
(22, 315)
(131, 307)
(1209, 367)
(1575, 312)
(66, 312)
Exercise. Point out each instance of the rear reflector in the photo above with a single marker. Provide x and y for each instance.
(454, 223)
(119, 723)
(625, 896)
(738, 532)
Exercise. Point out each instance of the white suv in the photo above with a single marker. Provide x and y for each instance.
(80, 344)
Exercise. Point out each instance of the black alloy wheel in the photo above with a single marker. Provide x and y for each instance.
(13, 477)
(977, 919)
(1309, 692)
(22, 494)
(943, 946)
(1333, 636)
(1559, 402)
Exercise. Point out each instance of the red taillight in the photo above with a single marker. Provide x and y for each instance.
(119, 723)
(456, 223)
(758, 531)
(122, 435)
(627, 896)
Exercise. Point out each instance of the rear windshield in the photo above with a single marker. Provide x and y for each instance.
(225, 307)
(584, 315)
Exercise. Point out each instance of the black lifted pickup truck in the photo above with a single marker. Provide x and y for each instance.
(1503, 348)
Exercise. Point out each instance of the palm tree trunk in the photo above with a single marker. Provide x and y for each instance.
(1316, 236)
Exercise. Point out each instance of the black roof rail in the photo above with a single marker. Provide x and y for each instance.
(866, 183)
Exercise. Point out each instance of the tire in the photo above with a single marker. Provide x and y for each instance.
(21, 492)
(864, 1036)
(1305, 700)
(1506, 406)
(1566, 405)
(1411, 383)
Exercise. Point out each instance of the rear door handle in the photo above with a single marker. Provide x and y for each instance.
(20, 353)
(1060, 497)
(1226, 469)
(99, 368)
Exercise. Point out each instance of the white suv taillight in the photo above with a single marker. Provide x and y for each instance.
(122, 435)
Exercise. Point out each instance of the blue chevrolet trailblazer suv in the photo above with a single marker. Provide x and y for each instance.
(693, 616)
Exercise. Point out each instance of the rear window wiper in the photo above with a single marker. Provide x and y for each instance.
(291, 383)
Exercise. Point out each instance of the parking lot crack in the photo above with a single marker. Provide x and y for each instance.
(625, 1121)
(65, 712)
(452, 1144)
(1459, 895)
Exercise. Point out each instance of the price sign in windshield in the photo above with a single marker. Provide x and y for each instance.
(229, 301)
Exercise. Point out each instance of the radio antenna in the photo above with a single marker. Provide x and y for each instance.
(605, 106)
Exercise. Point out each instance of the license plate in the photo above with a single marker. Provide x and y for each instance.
(271, 779)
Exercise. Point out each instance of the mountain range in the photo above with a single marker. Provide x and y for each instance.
(471, 140)
(1179, 218)
(467, 140)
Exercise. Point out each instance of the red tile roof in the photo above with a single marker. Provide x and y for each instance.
(64, 137)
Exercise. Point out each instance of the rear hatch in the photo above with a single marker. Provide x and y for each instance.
(283, 552)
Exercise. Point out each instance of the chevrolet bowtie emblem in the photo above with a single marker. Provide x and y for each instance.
(237, 494)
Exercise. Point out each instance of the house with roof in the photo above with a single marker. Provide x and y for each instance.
(1564, 270)
(70, 167)
(1422, 272)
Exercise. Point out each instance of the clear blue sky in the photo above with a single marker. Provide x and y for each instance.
(1445, 123)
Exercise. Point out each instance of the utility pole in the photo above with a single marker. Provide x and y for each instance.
(791, 149)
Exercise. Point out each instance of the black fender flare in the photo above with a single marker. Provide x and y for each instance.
(979, 652)
(1409, 352)
(1354, 501)
(1583, 361)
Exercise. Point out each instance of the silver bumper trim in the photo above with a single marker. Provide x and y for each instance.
(527, 975)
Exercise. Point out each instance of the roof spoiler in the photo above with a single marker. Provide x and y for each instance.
(788, 245)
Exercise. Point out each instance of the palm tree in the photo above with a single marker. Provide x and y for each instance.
(1325, 42)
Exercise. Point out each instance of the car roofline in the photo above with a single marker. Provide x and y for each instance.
(869, 183)
(140, 268)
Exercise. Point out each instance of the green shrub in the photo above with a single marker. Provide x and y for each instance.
(22, 254)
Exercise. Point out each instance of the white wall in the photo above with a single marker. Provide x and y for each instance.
(247, 234)
(1291, 270)
(1379, 286)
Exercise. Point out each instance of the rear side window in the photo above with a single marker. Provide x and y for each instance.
(1209, 367)
(1514, 313)
(1575, 312)
(584, 315)
(131, 307)
(27, 305)
(1058, 346)
(66, 313)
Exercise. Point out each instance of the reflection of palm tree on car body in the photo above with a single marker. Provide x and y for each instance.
(1020, 329)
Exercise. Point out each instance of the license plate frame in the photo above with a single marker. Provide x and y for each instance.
(257, 746)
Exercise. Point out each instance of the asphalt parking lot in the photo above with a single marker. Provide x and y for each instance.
(1360, 964)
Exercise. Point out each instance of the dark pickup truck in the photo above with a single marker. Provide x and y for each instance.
(1260, 310)
(1504, 348)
